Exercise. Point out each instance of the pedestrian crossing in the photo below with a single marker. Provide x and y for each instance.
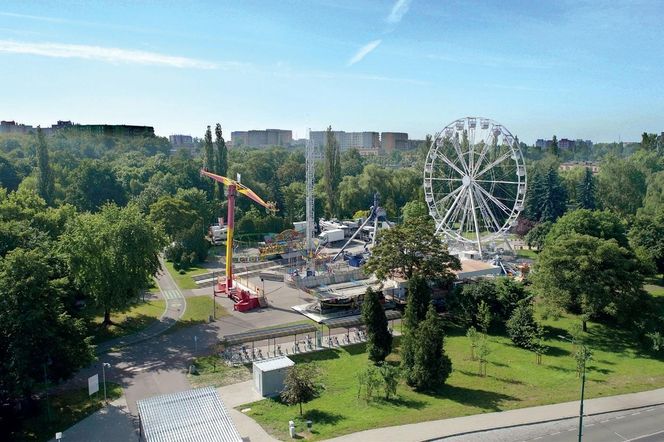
(171, 294)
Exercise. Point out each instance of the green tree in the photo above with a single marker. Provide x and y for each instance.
(521, 327)
(621, 186)
(379, 343)
(474, 337)
(553, 149)
(414, 209)
(586, 191)
(591, 276)
(484, 316)
(352, 163)
(93, 184)
(546, 199)
(301, 384)
(418, 298)
(483, 352)
(600, 224)
(332, 172)
(36, 331)
(173, 214)
(410, 249)
(537, 235)
(391, 375)
(9, 178)
(112, 255)
(209, 158)
(221, 158)
(46, 180)
(431, 366)
(647, 235)
(653, 202)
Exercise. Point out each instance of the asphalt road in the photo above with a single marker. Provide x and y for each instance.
(642, 425)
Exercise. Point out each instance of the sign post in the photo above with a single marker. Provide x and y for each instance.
(93, 384)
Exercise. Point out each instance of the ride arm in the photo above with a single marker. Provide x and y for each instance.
(241, 188)
(371, 214)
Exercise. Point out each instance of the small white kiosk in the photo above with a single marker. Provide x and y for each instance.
(269, 375)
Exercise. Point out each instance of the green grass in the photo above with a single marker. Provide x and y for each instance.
(655, 285)
(198, 311)
(184, 280)
(526, 253)
(212, 371)
(67, 408)
(513, 380)
(129, 321)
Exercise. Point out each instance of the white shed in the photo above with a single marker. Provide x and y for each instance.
(269, 375)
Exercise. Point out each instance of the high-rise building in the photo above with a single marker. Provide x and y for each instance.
(181, 140)
(262, 138)
(347, 140)
(391, 141)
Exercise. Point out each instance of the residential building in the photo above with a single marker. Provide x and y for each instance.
(592, 165)
(391, 141)
(347, 140)
(565, 144)
(262, 138)
(181, 140)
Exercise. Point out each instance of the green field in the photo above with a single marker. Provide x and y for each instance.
(655, 285)
(513, 380)
(66, 409)
(184, 280)
(127, 322)
(527, 254)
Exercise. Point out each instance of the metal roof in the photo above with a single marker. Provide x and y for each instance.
(274, 364)
(352, 321)
(268, 333)
(189, 416)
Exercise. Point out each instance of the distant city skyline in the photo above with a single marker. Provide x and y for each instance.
(580, 69)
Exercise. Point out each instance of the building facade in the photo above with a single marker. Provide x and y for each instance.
(391, 141)
(262, 138)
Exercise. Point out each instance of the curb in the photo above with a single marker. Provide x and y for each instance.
(545, 421)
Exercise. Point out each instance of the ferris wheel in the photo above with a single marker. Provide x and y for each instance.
(474, 181)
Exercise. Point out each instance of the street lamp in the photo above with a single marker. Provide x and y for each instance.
(104, 365)
(585, 355)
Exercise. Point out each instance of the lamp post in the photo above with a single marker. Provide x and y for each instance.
(585, 355)
(104, 365)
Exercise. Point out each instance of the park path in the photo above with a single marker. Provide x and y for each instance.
(176, 304)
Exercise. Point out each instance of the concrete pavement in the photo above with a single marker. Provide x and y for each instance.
(438, 429)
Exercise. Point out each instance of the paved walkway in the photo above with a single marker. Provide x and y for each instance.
(432, 430)
(176, 305)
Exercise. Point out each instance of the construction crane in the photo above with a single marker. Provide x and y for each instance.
(233, 187)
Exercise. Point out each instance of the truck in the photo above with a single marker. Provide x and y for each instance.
(218, 234)
(332, 235)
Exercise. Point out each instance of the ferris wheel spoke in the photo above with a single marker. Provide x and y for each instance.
(449, 195)
(496, 181)
(497, 161)
(489, 211)
(459, 152)
(451, 164)
(456, 201)
(445, 179)
(477, 225)
(496, 201)
(487, 144)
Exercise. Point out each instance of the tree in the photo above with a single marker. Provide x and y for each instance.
(483, 316)
(410, 249)
(586, 191)
(419, 298)
(221, 158)
(112, 255)
(173, 214)
(93, 184)
(9, 178)
(537, 235)
(209, 159)
(553, 149)
(332, 172)
(369, 380)
(352, 163)
(414, 209)
(391, 375)
(653, 202)
(591, 276)
(600, 224)
(521, 327)
(483, 352)
(647, 235)
(45, 181)
(379, 343)
(546, 199)
(35, 329)
(621, 186)
(431, 366)
(474, 338)
(301, 384)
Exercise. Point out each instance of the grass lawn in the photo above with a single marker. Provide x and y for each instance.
(199, 309)
(526, 253)
(212, 371)
(184, 280)
(67, 408)
(513, 380)
(127, 322)
(655, 286)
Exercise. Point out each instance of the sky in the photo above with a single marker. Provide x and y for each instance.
(590, 69)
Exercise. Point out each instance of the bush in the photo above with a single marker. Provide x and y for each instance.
(391, 376)
(369, 380)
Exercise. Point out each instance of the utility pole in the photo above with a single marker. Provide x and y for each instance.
(585, 354)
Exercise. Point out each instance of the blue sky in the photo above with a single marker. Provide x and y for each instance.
(579, 69)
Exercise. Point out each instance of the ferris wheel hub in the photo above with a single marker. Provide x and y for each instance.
(465, 180)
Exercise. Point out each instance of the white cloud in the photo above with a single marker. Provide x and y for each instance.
(399, 9)
(110, 55)
(364, 51)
